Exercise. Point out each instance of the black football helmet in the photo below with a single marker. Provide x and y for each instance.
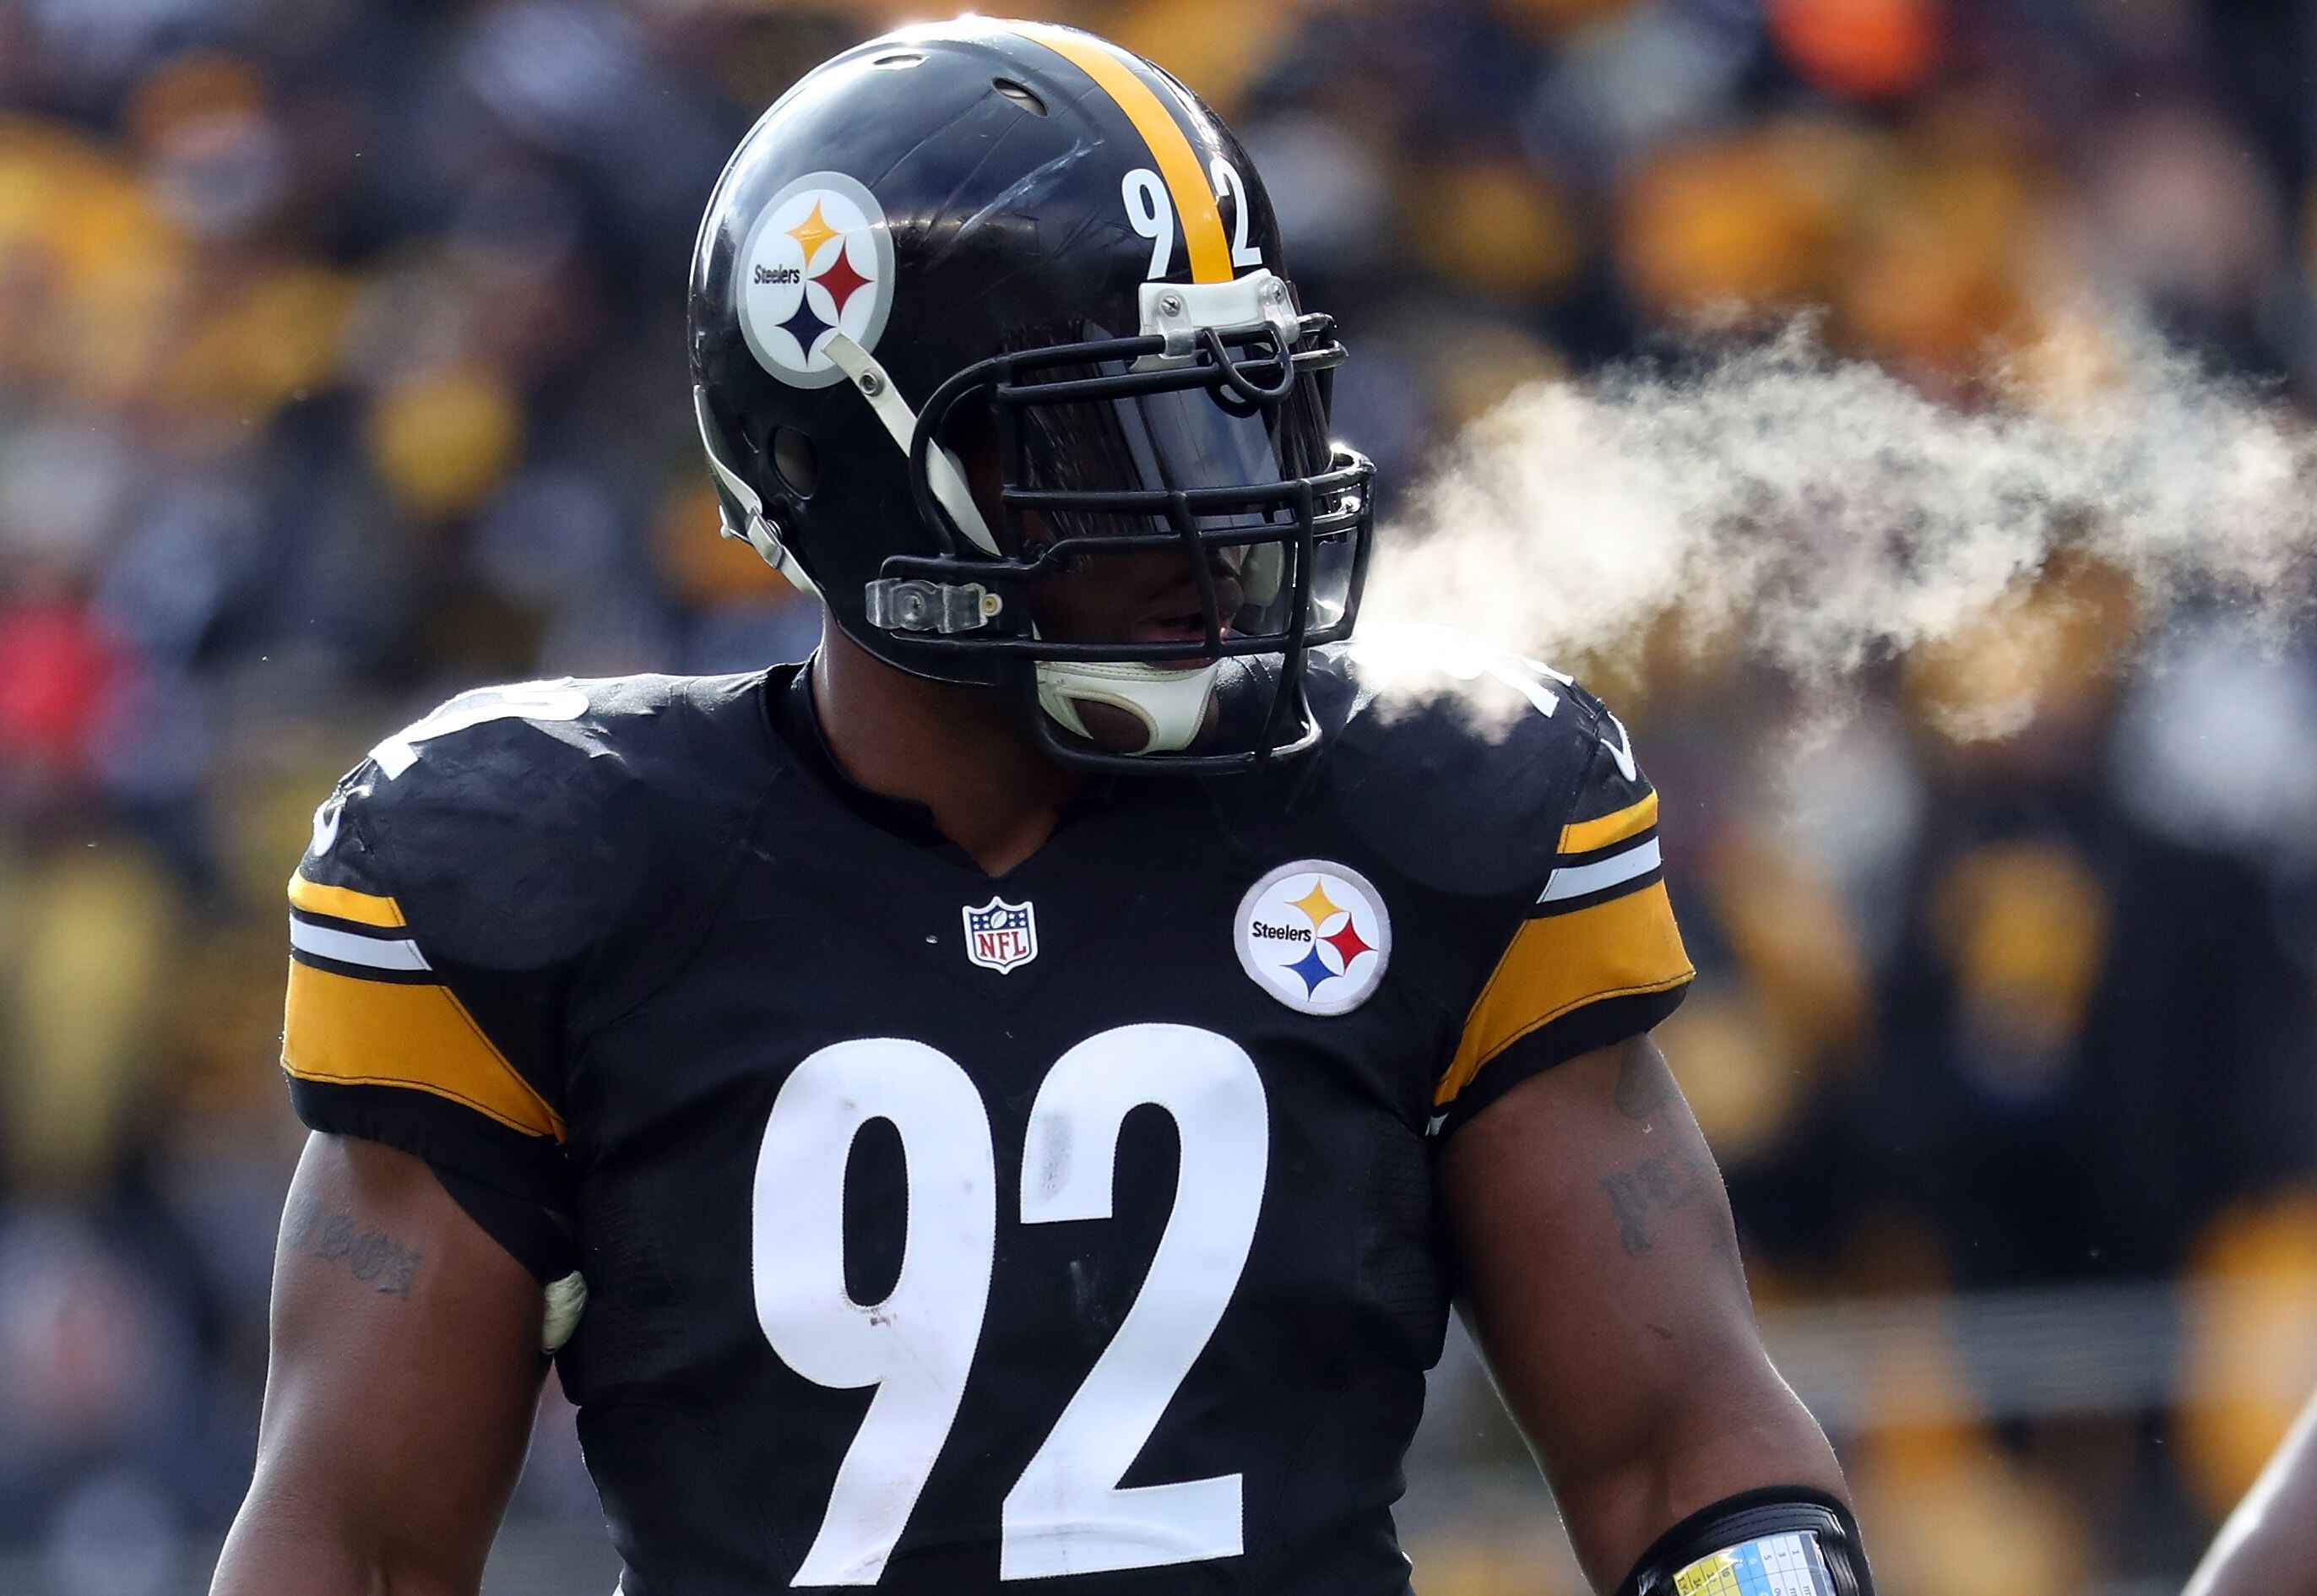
(1026, 242)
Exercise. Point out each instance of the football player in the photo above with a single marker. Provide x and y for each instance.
(1014, 1099)
(2268, 1547)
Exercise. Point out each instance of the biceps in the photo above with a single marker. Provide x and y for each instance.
(1600, 1265)
(404, 1362)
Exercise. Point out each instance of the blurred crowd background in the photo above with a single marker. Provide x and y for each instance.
(341, 368)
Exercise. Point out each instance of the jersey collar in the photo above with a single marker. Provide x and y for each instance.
(796, 721)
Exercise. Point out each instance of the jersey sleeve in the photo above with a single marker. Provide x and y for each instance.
(1596, 957)
(425, 1008)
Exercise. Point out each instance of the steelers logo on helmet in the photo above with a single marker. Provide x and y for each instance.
(819, 261)
(1316, 935)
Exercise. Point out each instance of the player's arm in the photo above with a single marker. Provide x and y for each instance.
(406, 1367)
(428, 1250)
(1598, 1266)
(2269, 1544)
(1599, 1273)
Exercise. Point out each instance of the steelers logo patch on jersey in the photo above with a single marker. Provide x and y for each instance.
(819, 261)
(1316, 935)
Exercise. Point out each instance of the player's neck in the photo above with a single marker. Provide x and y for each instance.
(958, 750)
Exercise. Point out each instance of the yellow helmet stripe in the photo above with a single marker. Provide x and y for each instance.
(1178, 161)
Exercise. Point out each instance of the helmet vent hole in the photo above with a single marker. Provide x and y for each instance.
(1020, 95)
(796, 461)
(900, 61)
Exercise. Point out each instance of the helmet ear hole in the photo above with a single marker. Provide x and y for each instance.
(796, 461)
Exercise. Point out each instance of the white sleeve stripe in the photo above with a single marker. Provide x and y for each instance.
(379, 953)
(1579, 881)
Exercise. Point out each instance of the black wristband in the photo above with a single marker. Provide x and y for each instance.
(1750, 1516)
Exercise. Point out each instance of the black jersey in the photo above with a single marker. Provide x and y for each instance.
(942, 1230)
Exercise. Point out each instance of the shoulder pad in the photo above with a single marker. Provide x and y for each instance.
(1462, 764)
(512, 824)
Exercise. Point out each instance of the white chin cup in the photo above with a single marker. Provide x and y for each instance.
(1171, 704)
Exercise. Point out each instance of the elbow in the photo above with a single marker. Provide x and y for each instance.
(291, 1542)
(1748, 1430)
(1737, 1428)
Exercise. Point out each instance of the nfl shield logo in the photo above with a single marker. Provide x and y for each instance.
(999, 936)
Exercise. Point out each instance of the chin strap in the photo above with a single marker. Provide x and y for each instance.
(871, 383)
(1170, 705)
(739, 496)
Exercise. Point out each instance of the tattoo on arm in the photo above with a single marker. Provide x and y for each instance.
(1655, 1186)
(373, 1257)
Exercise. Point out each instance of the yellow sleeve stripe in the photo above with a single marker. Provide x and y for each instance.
(343, 1031)
(1585, 835)
(1178, 161)
(1556, 965)
(364, 909)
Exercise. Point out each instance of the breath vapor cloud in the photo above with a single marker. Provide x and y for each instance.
(1820, 514)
